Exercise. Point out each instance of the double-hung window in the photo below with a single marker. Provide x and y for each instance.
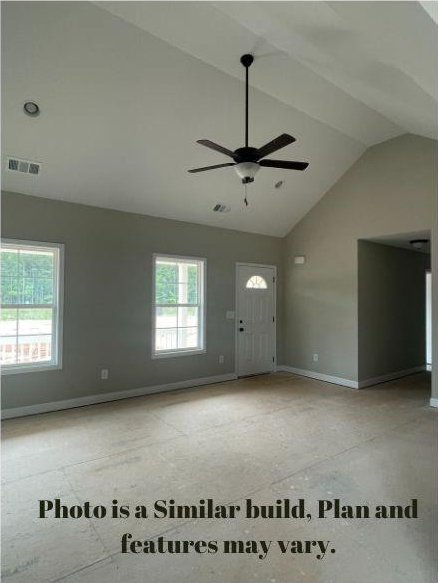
(179, 306)
(31, 297)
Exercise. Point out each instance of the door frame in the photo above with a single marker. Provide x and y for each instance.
(236, 301)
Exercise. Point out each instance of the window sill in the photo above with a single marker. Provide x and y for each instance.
(176, 353)
(43, 367)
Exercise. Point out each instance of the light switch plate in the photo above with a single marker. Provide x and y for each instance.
(299, 259)
(230, 315)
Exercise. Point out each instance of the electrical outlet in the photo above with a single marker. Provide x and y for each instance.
(104, 374)
(315, 357)
(221, 359)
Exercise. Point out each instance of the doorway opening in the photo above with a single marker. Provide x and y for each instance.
(394, 308)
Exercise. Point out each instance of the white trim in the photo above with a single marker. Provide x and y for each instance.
(433, 402)
(348, 382)
(175, 353)
(202, 306)
(236, 300)
(115, 396)
(391, 376)
(319, 376)
(58, 309)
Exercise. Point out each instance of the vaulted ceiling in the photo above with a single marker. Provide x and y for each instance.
(126, 89)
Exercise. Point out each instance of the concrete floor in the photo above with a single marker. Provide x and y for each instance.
(268, 438)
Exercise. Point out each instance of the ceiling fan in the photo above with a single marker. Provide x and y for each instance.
(247, 160)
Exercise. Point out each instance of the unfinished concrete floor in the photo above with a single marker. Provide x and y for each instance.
(268, 438)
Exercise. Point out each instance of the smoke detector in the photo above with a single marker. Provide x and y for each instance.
(23, 166)
(31, 108)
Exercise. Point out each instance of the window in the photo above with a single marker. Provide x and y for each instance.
(30, 322)
(179, 314)
(256, 282)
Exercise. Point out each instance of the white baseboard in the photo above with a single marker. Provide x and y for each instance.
(348, 382)
(434, 402)
(115, 396)
(391, 376)
(319, 376)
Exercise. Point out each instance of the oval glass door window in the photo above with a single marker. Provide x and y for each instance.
(256, 282)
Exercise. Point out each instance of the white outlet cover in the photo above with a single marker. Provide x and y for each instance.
(230, 315)
(299, 259)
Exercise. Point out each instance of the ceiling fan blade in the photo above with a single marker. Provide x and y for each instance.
(211, 167)
(284, 164)
(270, 147)
(216, 147)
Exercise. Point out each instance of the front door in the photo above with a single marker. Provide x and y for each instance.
(255, 319)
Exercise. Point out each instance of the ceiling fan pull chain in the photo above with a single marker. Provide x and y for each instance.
(245, 200)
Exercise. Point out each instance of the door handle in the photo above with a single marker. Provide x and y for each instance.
(241, 329)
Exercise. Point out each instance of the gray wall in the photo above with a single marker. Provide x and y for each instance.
(391, 309)
(389, 190)
(107, 305)
(435, 299)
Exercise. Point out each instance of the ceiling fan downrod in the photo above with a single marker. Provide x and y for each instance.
(247, 61)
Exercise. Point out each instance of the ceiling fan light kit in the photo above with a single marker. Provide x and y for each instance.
(247, 160)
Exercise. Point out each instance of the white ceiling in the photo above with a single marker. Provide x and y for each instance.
(402, 240)
(126, 88)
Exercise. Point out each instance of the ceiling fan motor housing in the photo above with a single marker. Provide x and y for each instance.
(245, 155)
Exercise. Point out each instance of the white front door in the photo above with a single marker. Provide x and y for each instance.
(255, 319)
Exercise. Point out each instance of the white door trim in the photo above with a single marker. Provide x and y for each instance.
(236, 330)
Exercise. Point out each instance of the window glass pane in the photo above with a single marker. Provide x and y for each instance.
(36, 290)
(35, 321)
(9, 276)
(8, 350)
(192, 284)
(10, 290)
(187, 317)
(187, 337)
(166, 317)
(8, 322)
(166, 339)
(256, 282)
(34, 349)
(34, 263)
(166, 283)
(9, 263)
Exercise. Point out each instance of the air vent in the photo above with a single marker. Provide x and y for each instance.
(23, 166)
(221, 208)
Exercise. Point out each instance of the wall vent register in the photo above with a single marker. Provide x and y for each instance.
(23, 166)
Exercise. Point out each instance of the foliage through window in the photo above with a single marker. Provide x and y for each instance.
(256, 282)
(29, 322)
(178, 305)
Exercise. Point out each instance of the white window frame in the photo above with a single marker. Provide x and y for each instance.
(202, 322)
(58, 307)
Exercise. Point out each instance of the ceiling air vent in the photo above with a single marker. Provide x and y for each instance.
(221, 208)
(23, 166)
